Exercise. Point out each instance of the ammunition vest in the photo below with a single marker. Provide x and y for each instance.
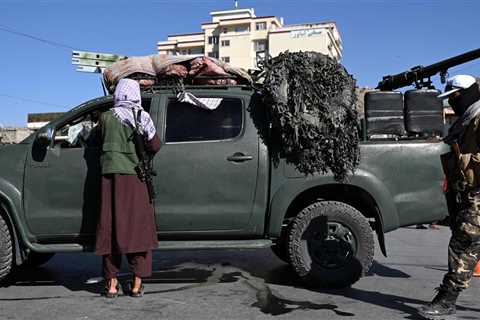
(463, 170)
(118, 149)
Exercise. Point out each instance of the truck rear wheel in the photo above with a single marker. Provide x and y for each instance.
(6, 251)
(330, 244)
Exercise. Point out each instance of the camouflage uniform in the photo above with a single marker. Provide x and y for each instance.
(463, 174)
(462, 170)
(464, 246)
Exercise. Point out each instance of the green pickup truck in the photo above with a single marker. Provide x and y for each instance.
(217, 187)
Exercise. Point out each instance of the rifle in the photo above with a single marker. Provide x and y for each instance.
(460, 184)
(144, 168)
(420, 75)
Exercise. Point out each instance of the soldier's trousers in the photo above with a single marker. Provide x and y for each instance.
(139, 263)
(464, 246)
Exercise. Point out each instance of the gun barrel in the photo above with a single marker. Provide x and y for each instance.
(406, 78)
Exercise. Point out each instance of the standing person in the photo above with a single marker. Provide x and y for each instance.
(127, 223)
(462, 168)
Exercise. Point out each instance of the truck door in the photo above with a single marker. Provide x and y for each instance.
(62, 183)
(207, 167)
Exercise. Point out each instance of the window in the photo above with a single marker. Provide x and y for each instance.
(260, 45)
(186, 122)
(83, 131)
(213, 40)
(244, 28)
(226, 59)
(225, 43)
(80, 132)
(261, 26)
(213, 54)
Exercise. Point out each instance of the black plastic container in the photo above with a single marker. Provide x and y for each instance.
(384, 113)
(423, 113)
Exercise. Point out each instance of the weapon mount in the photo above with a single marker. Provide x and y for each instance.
(420, 75)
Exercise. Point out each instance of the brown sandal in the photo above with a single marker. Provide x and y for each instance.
(137, 294)
(109, 294)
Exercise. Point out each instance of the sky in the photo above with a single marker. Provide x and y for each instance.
(380, 37)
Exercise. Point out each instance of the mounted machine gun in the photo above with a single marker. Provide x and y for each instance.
(420, 75)
(413, 114)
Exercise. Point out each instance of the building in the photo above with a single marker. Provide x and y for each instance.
(13, 135)
(37, 120)
(242, 39)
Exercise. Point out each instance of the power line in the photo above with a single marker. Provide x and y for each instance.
(52, 43)
(31, 100)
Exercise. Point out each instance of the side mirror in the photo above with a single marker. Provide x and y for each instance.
(45, 137)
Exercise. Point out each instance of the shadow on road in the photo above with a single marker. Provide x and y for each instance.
(44, 276)
(386, 271)
(283, 276)
(184, 273)
(389, 301)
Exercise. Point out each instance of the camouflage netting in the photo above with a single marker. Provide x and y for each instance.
(312, 98)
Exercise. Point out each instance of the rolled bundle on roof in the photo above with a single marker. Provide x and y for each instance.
(150, 70)
(311, 100)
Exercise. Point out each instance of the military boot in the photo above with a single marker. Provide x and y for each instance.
(442, 306)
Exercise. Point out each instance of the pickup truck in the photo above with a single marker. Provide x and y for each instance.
(218, 187)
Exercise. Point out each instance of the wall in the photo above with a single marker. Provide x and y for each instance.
(295, 41)
(13, 135)
(239, 51)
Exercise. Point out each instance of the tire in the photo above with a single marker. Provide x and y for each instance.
(330, 245)
(6, 251)
(36, 259)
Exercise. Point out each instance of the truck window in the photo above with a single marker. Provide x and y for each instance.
(79, 132)
(82, 131)
(187, 123)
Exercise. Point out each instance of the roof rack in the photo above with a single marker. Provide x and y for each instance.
(178, 84)
(198, 86)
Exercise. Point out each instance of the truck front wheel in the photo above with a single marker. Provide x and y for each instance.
(330, 244)
(6, 250)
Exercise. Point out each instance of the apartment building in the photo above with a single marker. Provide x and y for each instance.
(242, 39)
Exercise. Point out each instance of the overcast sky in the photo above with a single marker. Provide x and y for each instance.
(379, 38)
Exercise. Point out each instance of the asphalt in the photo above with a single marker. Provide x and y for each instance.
(232, 284)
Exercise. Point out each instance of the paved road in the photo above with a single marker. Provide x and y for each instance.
(239, 285)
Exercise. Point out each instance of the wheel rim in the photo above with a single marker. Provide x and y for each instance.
(334, 250)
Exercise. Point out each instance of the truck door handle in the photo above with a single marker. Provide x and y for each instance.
(239, 157)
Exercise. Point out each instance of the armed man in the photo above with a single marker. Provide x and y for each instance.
(462, 169)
